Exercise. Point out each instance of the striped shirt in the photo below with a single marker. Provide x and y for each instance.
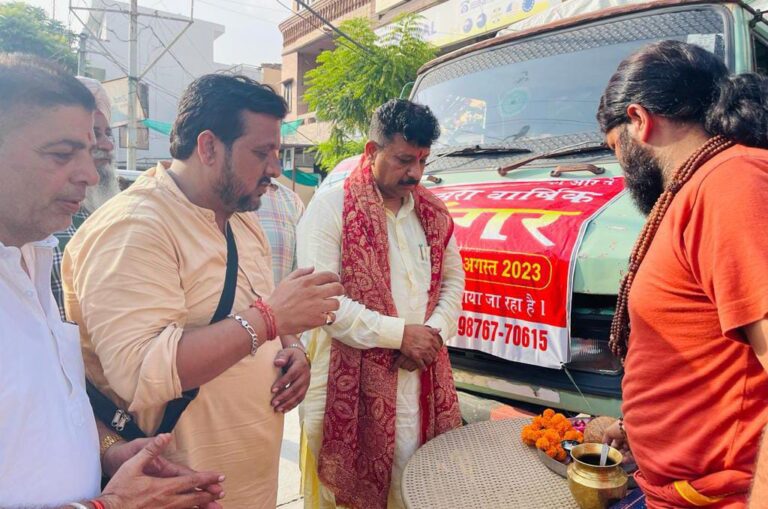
(279, 214)
(58, 252)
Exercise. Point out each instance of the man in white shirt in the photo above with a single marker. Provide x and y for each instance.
(391, 241)
(49, 440)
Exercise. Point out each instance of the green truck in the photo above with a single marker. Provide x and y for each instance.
(517, 114)
(517, 100)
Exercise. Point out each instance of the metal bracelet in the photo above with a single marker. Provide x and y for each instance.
(299, 346)
(249, 329)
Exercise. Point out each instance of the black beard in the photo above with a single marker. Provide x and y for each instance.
(230, 191)
(642, 172)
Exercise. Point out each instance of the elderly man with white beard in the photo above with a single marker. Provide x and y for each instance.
(95, 196)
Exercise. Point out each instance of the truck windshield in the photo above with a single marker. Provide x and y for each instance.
(549, 86)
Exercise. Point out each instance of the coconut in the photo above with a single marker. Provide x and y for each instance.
(596, 429)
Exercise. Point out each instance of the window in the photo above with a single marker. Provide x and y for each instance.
(288, 93)
(760, 54)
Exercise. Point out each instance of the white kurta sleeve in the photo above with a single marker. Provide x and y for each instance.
(319, 246)
(446, 314)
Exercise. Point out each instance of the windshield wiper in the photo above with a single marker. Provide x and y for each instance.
(486, 149)
(481, 149)
(580, 148)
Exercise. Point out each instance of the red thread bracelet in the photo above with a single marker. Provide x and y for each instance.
(97, 504)
(269, 317)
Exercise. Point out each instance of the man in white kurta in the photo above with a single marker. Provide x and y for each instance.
(319, 245)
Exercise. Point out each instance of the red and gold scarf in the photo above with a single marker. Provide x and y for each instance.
(358, 447)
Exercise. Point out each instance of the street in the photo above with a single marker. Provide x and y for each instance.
(289, 489)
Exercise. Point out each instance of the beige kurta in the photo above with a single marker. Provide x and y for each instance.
(319, 245)
(146, 266)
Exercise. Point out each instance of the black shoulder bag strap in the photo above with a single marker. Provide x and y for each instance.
(118, 419)
(175, 408)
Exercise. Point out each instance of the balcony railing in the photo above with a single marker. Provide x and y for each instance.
(304, 22)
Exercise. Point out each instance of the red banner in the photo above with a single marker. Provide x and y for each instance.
(518, 241)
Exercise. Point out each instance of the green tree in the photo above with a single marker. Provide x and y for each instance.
(350, 83)
(28, 29)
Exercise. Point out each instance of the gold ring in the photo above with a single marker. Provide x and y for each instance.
(330, 317)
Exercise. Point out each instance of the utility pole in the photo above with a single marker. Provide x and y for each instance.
(133, 72)
(81, 52)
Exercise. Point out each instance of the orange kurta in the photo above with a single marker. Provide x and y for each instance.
(695, 394)
(143, 268)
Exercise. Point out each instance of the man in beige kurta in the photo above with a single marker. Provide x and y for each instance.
(144, 274)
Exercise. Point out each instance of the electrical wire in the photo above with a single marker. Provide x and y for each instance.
(114, 33)
(114, 5)
(314, 23)
(256, 18)
(245, 4)
(167, 30)
(313, 142)
(160, 88)
(333, 27)
(172, 55)
(106, 54)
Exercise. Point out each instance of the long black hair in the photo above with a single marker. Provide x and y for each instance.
(688, 84)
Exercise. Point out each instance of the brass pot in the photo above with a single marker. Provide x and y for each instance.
(593, 486)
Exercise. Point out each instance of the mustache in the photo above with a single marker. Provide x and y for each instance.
(409, 182)
(101, 154)
(265, 181)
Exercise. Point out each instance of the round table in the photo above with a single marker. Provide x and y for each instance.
(483, 465)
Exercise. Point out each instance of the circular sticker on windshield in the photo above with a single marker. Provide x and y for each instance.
(513, 102)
